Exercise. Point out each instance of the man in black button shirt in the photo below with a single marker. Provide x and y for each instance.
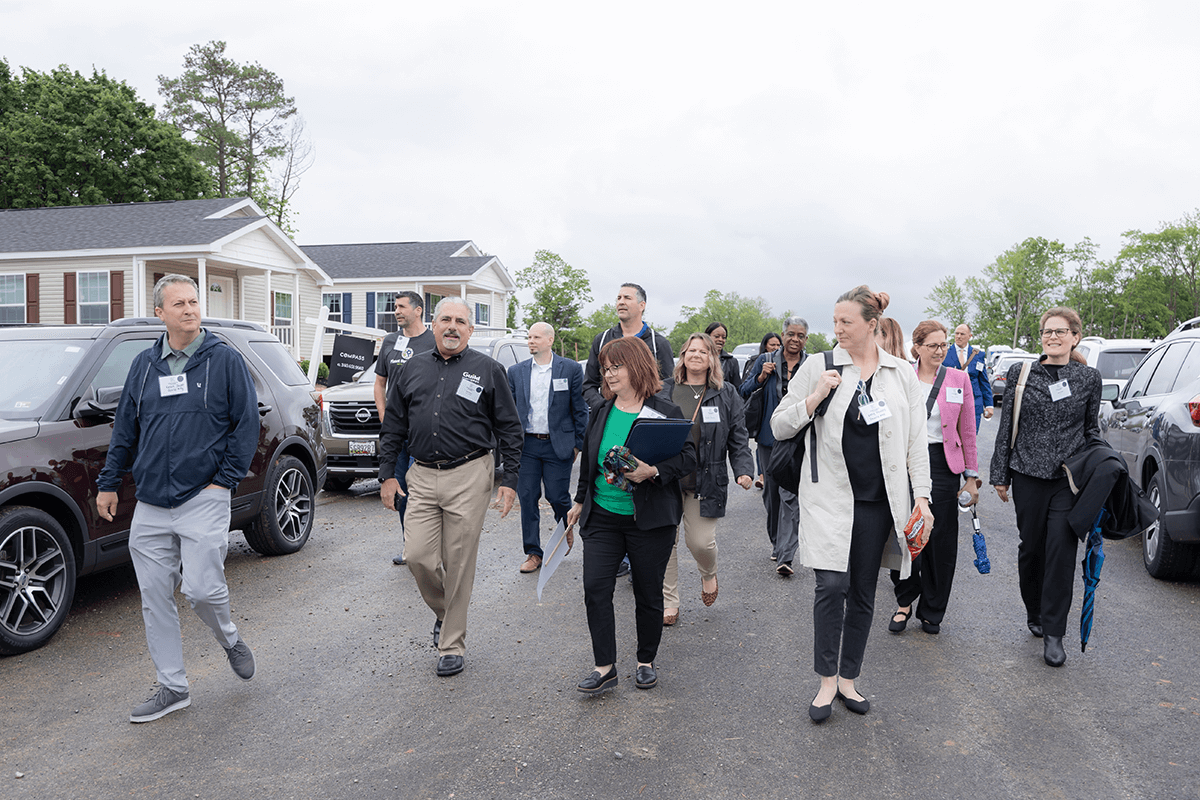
(452, 405)
(410, 339)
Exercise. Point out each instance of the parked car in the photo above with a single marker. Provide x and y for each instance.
(1155, 424)
(350, 421)
(1000, 373)
(56, 410)
(1116, 359)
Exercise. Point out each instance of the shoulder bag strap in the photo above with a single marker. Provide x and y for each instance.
(819, 411)
(1018, 393)
(937, 385)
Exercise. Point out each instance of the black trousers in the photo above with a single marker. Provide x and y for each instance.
(606, 539)
(845, 601)
(933, 570)
(1047, 549)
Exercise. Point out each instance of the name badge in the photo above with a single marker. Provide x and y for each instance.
(954, 394)
(875, 411)
(710, 413)
(169, 385)
(1059, 391)
(979, 366)
(560, 384)
(469, 390)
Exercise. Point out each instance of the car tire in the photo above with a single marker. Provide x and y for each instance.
(286, 518)
(37, 578)
(1164, 558)
(339, 483)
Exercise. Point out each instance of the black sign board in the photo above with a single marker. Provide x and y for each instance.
(350, 355)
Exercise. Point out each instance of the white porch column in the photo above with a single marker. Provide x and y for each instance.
(241, 309)
(139, 288)
(492, 310)
(269, 301)
(428, 311)
(202, 282)
(296, 344)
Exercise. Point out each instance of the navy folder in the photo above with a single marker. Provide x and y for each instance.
(653, 441)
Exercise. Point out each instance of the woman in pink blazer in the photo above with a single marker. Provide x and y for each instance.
(952, 455)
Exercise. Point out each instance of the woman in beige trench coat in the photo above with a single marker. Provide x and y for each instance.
(871, 448)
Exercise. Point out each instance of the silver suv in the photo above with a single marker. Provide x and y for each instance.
(350, 423)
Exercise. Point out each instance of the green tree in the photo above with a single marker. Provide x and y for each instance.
(595, 323)
(1015, 289)
(746, 319)
(559, 293)
(237, 115)
(948, 302)
(818, 343)
(510, 318)
(1174, 251)
(70, 140)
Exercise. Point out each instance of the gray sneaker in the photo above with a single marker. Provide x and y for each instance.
(164, 702)
(241, 660)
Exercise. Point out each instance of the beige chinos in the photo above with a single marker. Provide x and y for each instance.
(700, 536)
(442, 524)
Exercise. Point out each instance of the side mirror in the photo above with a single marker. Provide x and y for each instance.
(1110, 392)
(101, 406)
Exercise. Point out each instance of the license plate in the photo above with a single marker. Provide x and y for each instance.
(362, 448)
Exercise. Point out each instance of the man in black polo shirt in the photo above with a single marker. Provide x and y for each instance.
(453, 406)
(410, 338)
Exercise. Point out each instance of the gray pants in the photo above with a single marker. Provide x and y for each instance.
(196, 536)
(783, 513)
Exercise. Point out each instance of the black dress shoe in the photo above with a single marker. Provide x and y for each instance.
(449, 665)
(596, 683)
(1053, 651)
(898, 625)
(820, 713)
(931, 627)
(645, 677)
(437, 632)
(1036, 629)
(857, 706)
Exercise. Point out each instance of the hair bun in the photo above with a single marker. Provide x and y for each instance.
(883, 299)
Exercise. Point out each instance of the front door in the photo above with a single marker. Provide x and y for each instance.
(220, 298)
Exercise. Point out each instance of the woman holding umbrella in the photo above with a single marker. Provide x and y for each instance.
(1060, 409)
(951, 426)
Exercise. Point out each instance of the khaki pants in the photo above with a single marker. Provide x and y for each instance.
(441, 531)
(700, 535)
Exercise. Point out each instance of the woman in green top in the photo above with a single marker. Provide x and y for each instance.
(639, 520)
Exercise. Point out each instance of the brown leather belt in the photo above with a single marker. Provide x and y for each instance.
(453, 462)
(539, 435)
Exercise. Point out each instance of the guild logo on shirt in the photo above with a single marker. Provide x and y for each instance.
(471, 377)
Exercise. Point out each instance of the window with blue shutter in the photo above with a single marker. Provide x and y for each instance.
(346, 308)
(370, 309)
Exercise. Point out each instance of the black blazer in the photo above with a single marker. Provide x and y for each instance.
(656, 502)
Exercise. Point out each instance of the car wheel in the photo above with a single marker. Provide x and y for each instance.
(339, 483)
(285, 520)
(1163, 558)
(37, 578)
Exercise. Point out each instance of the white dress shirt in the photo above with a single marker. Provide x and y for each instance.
(539, 398)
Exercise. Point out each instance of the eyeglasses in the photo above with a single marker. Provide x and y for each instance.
(610, 369)
(1055, 333)
(942, 346)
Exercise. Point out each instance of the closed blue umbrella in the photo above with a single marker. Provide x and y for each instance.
(981, 558)
(1093, 560)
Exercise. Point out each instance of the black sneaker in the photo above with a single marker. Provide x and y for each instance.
(241, 660)
(162, 703)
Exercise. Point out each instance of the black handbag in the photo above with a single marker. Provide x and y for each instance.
(787, 456)
(754, 412)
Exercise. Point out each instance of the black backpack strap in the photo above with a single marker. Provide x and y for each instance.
(820, 412)
(937, 385)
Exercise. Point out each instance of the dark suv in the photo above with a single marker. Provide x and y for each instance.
(1155, 424)
(60, 392)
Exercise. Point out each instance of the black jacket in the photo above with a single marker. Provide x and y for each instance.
(656, 502)
(729, 370)
(659, 347)
(1049, 432)
(1099, 478)
(718, 439)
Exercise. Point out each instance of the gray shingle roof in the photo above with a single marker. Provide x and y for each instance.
(176, 223)
(394, 259)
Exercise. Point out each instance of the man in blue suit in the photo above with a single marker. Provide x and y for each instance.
(972, 361)
(549, 393)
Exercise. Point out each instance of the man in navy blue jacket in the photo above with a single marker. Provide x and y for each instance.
(188, 426)
(549, 393)
(972, 361)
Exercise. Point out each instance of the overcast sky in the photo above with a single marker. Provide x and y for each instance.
(788, 149)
